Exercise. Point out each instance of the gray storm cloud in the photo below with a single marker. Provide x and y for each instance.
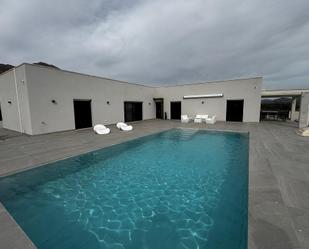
(164, 41)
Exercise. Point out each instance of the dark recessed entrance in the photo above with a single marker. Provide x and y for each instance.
(133, 111)
(234, 110)
(82, 114)
(159, 108)
(0, 113)
(175, 110)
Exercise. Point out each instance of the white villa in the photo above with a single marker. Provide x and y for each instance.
(36, 99)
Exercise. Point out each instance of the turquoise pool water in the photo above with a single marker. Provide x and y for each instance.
(176, 189)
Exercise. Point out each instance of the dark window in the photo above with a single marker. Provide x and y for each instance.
(176, 110)
(133, 111)
(0, 114)
(234, 110)
(82, 114)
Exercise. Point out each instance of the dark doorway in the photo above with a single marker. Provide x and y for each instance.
(82, 113)
(234, 110)
(175, 110)
(133, 111)
(159, 108)
(0, 113)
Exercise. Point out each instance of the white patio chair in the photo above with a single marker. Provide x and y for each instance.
(101, 129)
(185, 119)
(198, 119)
(211, 119)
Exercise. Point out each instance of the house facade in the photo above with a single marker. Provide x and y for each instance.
(36, 100)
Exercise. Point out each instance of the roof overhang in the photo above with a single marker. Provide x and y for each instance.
(283, 93)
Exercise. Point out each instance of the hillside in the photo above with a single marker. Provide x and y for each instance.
(5, 67)
(276, 104)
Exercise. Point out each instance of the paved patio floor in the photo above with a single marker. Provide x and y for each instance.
(278, 175)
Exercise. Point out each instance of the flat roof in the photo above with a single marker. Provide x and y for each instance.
(126, 82)
(72, 72)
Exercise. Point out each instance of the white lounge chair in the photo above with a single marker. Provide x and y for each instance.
(211, 119)
(200, 118)
(101, 129)
(124, 127)
(185, 119)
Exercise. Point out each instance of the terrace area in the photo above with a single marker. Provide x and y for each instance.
(278, 174)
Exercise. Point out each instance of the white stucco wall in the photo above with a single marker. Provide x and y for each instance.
(247, 89)
(37, 86)
(294, 116)
(45, 84)
(304, 110)
(16, 116)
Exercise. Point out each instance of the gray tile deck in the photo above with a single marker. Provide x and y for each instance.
(278, 175)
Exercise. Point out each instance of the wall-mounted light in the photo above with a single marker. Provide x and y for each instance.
(149, 103)
(202, 102)
(107, 102)
(214, 95)
(54, 101)
(10, 102)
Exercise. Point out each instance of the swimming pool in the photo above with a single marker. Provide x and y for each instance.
(180, 188)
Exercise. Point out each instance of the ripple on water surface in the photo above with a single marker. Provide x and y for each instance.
(176, 189)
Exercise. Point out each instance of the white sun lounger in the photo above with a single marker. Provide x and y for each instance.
(101, 129)
(124, 127)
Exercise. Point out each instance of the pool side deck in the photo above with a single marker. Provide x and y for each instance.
(278, 175)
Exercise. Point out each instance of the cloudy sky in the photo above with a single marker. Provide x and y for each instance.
(162, 42)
